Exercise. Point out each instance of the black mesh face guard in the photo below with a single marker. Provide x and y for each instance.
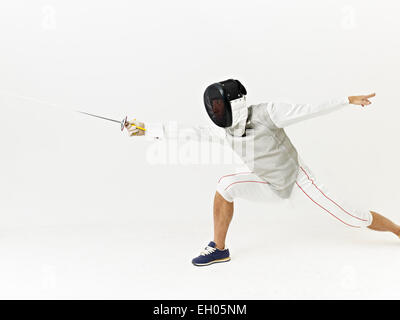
(217, 106)
(217, 99)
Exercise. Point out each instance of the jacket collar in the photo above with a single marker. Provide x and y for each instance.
(240, 113)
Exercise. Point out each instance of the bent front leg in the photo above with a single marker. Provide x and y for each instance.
(223, 213)
(243, 185)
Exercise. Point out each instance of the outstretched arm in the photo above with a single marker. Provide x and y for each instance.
(174, 130)
(285, 114)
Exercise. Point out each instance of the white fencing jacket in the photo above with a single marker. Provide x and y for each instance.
(264, 146)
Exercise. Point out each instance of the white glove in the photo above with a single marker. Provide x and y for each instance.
(135, 128)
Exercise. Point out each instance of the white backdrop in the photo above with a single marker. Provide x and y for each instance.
(83, 214)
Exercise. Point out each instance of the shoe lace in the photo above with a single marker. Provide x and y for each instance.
(207, 250)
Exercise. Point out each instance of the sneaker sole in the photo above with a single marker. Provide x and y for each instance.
(212, 262)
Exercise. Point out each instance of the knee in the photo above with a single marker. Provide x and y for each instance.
(368, 217)
(224, 188)
(359, 219)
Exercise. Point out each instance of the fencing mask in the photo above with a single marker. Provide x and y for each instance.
(225, 103)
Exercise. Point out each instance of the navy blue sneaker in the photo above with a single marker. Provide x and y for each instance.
(211, 255)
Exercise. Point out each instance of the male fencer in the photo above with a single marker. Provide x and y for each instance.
(256, 133)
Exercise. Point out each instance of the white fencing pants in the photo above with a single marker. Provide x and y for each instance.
(247, 185)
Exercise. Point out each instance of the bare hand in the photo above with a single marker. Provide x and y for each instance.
(361, 100)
